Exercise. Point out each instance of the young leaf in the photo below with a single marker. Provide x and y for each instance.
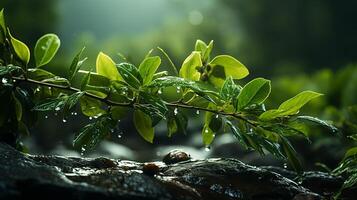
(20, 48)
(105, 66)
(190, 65)
(76, 64)
(324, 124)
(204, 49)
(130, 74)
(224, 66)
(143, 124)
(45, 49)
(291, 106)
(148, 68)
(254, 92)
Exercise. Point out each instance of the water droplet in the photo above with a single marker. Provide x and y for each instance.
(75, 113)
(96, 117)
(208, 149)
(217, 116)
(175, 111)
(90, 118)
(119, 136)
(64, 120)
(197, 112)
(14, 81)
(159, 91)
(37, 89)
(123, 93)
(206, 131)
(46, 117)
(4, 80)
(178, 89)
(285, 165)
(57, 108)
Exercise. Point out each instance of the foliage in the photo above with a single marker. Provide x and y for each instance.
(203, 84)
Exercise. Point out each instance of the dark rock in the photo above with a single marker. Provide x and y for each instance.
(51, 177)
(176, 156)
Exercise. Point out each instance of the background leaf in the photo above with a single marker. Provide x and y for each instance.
(46, 48)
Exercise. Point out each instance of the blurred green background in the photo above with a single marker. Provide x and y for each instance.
(299, 44)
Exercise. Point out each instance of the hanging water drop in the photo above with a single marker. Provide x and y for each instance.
(206, 131)
(178, 89)
(119, 136)
(217, 116)
(75, 113)
(37, 89)
(64, 120)
(123, 93)
(57, 108)
(159, 91)
(4, 80)
(285, 165)
(90, 118)
(207, 148)
(197, 112)
(46, 117)
(175, 111)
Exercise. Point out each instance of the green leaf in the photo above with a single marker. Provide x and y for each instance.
(2, 26)
(352, 152)
(46, 48)
(105, 66)
(57, 80)
(148, 68)
(18, 109)
(213, 121)
(254, 92)
(20, 48)
(229, 89)
(39, 74)
(172, 81)
(91, 107)
(85, 81)
(207, 135)
(130, 75)
(319, 122)
(189, 68)
(143, 125)
(152, 106)
(76, 64)
(290, 107)
(291, 154)
(224, 66)
(63, 102)
(204, 49)
(90, 136)
(118, 112)
(4, 70)
(176, 123)
(95, 79)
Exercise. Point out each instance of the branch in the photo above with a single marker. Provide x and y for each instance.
(131, 104)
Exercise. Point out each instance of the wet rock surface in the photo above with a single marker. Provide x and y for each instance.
(25, 176)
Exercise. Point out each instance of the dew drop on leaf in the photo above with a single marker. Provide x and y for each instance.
(175, 111)
(285, 165)
(197, 112)
(57, 108)
(4, 80)
(159, 92)
(217, 116)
